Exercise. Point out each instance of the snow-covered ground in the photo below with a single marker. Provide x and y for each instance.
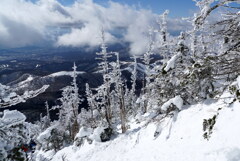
(181, 139)
(31, 78)
(63, 73)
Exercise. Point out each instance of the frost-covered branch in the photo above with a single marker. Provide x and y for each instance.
(9, 98)
(206, 9)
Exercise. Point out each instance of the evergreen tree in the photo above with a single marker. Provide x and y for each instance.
(104, 90)
(119, 88)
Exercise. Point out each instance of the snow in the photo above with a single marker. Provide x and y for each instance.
(45, 134)
(138, 100)
(95, 113)
(238, 81)
(182, 141)
(140, 67)
(96, 134)
(9, 97)
(64, 73)
(83, 132)
(11, 118)
(171, 62)
(4, 66)
(44, 155)
(57, 74)
(177, 101)
(29, 79)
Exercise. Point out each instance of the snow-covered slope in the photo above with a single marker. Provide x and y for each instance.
(63, 73)
(28, 81)
(181, 139)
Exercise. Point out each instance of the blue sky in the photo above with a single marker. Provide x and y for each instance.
(178, 8)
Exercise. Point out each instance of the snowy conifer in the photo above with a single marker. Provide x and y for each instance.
(104, 89)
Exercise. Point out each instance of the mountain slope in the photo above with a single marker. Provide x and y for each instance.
(181, 139)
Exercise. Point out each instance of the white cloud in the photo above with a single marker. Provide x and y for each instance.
(137, 32)
(24, 23)
(16, 34)
(3, 31)
(86, 36)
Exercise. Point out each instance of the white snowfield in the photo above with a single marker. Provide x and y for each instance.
(181, 141)
(30, 78)
(63, 73)
(53, 75)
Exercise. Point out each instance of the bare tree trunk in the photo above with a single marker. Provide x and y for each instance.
(107, 116)
(108, 111)
(109, 105)
(122, 112)
(75, 129)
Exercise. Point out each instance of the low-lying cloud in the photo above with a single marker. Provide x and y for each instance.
(24, 23)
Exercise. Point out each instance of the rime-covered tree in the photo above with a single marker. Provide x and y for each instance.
(15, 132)
(104, 90)
(116, 79)
(148, 70)
(63, 131)
(45, 121)
(220, 58)
(130, 95)
(93, 110)
(162, 35)
(68, 110)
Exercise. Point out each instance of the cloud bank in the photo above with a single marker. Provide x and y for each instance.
(24, 23)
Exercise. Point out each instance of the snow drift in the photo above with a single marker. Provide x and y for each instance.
(182, 141)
